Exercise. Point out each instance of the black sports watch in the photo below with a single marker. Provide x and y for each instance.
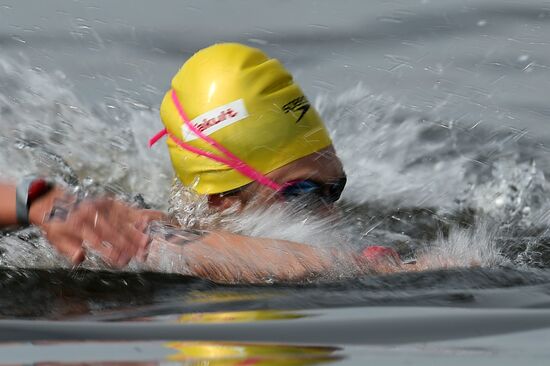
(27, 191)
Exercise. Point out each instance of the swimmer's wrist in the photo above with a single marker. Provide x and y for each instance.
(27, 191)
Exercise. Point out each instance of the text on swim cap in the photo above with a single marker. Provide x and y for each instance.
(298, 105)
(216, 119)
(210, 122)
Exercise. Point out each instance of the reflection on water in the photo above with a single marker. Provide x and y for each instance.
(247, 354)
(226, 296)
(186, 352)
(207, 353)
(107, 363)
(238, 316)
(174, 353)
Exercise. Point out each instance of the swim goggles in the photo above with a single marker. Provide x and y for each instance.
(287, 190)
(327, 192)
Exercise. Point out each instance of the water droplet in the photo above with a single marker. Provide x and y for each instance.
(87, 182)
(18, 39)
(262, 42)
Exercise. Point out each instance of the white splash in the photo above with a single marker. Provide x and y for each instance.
(47, 130)
(472, 247)
(393, 158)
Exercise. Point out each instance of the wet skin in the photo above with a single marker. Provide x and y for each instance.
(231, 258)
(322, 167)
(115, 231)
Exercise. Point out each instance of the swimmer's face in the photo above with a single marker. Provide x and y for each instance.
(322, 167)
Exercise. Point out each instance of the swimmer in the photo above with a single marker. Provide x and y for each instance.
(240, 131)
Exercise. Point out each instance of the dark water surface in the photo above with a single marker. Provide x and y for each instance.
(108, 296)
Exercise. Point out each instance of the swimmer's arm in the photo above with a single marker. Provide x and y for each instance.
(230, 258)
(7, 205)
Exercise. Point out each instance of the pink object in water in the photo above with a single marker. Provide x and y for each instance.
(378, 253)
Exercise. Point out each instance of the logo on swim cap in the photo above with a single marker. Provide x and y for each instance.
(216, 119)
(300, 104)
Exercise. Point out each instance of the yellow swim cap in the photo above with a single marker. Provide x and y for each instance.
(248, 103)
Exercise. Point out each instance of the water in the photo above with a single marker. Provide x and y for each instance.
(437, 110)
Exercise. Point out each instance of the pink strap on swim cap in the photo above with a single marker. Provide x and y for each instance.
(153, 140)
(229, 159)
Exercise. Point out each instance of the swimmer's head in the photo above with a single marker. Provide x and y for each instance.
(314, 181)
(246, 102)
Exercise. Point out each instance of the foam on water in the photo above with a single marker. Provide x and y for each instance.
(47, 129)
(473, 247)
(394, 158)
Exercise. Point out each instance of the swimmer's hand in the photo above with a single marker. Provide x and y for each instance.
(109, 227)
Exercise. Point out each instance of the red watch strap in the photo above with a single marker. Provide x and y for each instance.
(36, 189)
(28, 190)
